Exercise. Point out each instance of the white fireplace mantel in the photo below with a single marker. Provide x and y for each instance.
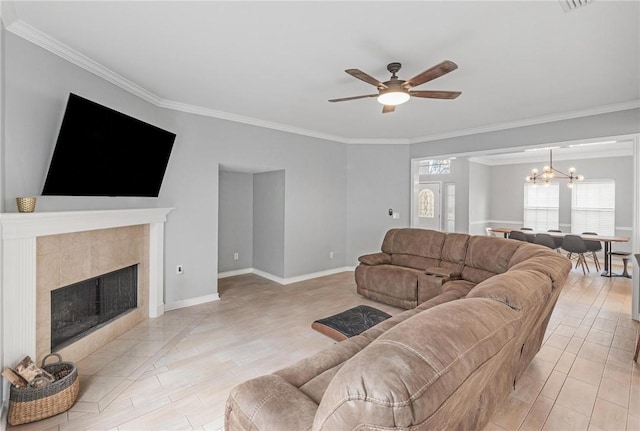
(18, 233)
(32, 225)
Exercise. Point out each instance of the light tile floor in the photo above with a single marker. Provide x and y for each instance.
(175, 372)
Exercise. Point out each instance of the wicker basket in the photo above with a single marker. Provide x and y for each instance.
(26, 205)
(33, 404)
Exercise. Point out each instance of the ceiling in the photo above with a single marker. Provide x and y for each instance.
(595, 149)
(275, 64)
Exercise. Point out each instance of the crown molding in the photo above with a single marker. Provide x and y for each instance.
(207, 112)
(8, 12)
(35, 36)
(634, 104)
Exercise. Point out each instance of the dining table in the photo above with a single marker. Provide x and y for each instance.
(607, 240)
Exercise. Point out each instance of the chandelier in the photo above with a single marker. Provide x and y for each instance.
(550, 173)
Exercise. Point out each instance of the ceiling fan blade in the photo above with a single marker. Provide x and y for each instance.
(436, 94)
(431, 74)
(344, 99)
(388, 108)
(356, 73)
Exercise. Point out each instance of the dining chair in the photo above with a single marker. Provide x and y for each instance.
(593, 247)
(573, 244)
(516, 234)
(545, 239)
(558, 241)
(489, 232)
(529, 237)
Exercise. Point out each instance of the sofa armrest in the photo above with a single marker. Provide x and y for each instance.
(375, 259)
(447, 273)
(268, 403)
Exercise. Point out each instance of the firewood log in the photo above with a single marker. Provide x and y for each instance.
(30, 371)
(15, 379)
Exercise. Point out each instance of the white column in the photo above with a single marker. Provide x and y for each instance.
(18, 302)
(156, 269)
(635, 239)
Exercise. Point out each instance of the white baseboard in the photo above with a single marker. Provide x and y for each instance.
(215, 297)
(159, 310)
(192, 301)
(234, 273)
(285, 281)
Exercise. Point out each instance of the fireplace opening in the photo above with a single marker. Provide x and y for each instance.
(83, 307)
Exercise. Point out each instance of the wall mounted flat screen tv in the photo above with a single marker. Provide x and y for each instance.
(102, 152)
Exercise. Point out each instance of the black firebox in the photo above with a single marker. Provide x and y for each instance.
(80, 308)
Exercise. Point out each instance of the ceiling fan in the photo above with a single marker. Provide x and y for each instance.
(396, 91)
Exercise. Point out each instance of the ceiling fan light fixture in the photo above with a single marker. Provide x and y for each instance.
(393, 97)
(395, 91)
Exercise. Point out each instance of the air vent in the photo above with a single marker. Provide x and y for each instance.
(569, 5)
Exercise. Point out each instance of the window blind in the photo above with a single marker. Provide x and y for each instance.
(541, 206)
(593, 207)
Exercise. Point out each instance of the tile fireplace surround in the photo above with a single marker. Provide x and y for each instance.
(34, 254)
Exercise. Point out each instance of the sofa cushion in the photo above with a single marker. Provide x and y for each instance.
(519, 289)
(405, 375)
(487, 256)
(417, 248)
(540, 260)
(462, 286)
(385, 325)
(390, 280)
(446, 273)
(412, 261)
(309, 368)
(454, 251)
(387, 242)
(416, 242)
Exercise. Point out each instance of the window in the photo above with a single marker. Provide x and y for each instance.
(434, 167)
(593, 207)
(425, 203)
(451, 207)
(541, 206)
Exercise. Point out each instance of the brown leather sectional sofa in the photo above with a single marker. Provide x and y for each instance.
(417, 264)
(447, 363)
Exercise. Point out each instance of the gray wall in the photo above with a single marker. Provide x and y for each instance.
(37, 87)
(37, 84)
(379, 179)
(268, 222)
(235, 220)
(335, 194)
(479, 197)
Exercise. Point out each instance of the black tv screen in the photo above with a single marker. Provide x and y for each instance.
(102, 152)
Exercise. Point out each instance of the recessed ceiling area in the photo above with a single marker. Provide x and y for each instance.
(576, 151)
(276, 64)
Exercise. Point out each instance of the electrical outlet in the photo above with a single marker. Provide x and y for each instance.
(330, 255)
(236, 256)
(179, 269)
(396, 216)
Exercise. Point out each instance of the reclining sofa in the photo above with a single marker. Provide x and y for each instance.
(417, 264)
(446, 363)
